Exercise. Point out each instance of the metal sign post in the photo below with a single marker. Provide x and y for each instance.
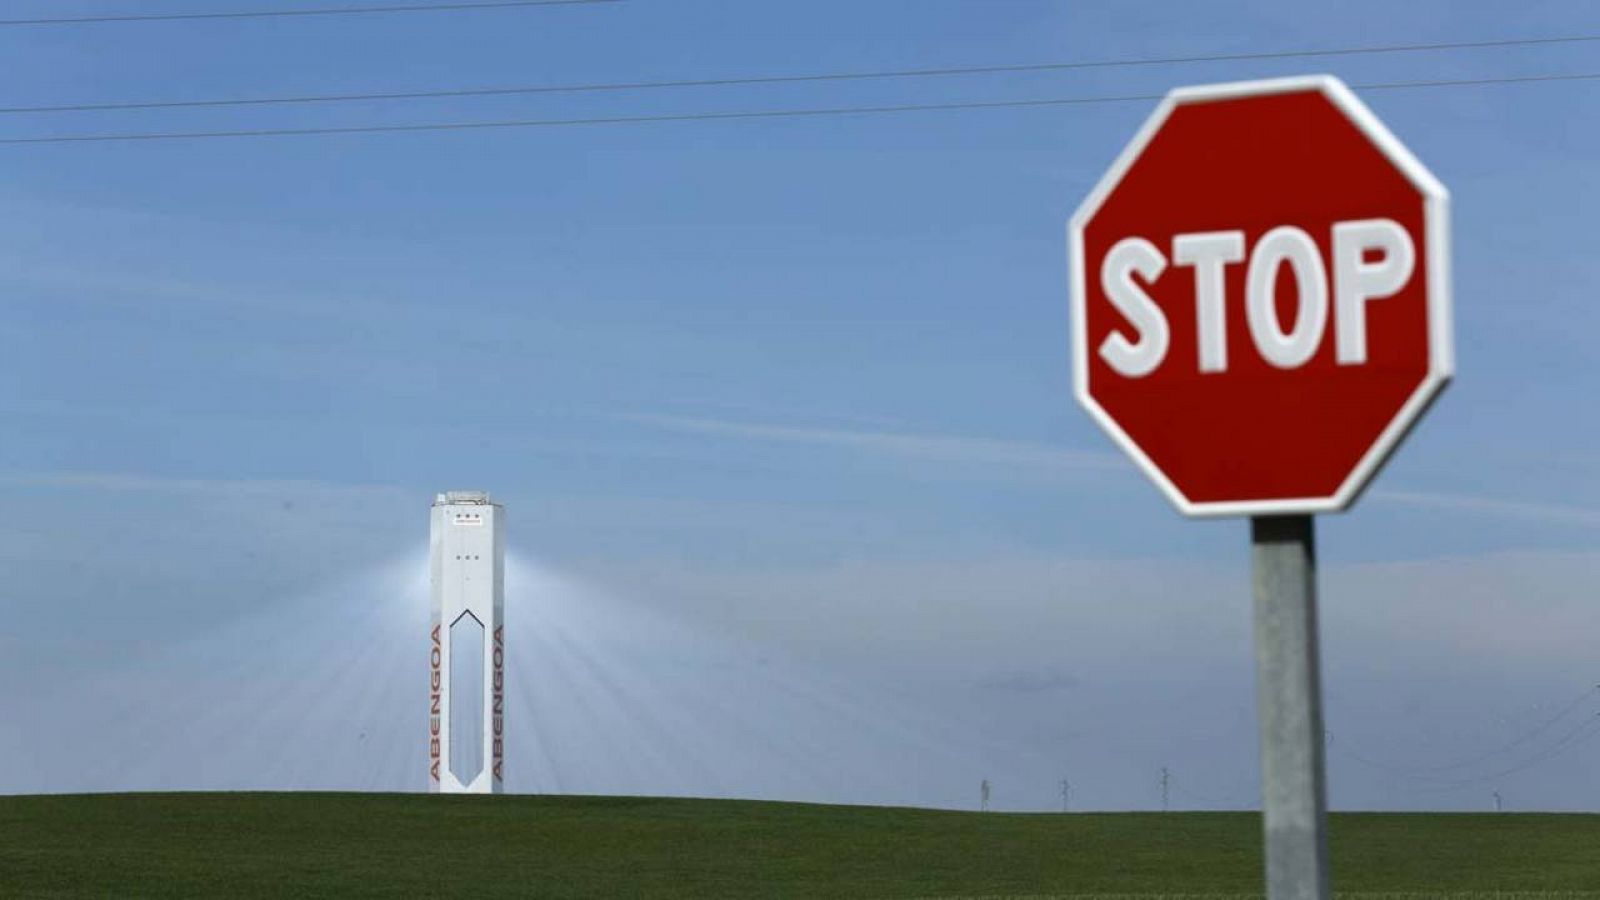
(1294, 804)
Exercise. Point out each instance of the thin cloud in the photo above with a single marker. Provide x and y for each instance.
(1547, 512)
(1043, 457)
(933, 447)
(1030, 682)
(121, 482)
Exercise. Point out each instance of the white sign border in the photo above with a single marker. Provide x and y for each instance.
(1441, 349)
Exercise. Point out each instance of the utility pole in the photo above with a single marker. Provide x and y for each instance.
(1166, 784)
(1066, 789)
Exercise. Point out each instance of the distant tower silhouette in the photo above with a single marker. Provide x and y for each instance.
(983, 795)
(1066, 793)
(1497, 805)
(1166, 784)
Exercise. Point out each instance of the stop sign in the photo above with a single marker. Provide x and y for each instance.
(1260, 296)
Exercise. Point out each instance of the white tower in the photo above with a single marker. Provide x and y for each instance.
(466, 656)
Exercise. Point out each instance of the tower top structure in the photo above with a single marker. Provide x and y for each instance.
(460, 498)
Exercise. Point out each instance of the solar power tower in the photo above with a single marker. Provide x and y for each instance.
(466, 656)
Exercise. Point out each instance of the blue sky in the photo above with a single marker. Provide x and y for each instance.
(801, 383)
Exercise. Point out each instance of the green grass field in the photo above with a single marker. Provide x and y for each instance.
(369, 845)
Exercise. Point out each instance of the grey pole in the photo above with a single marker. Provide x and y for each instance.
(1294, 803)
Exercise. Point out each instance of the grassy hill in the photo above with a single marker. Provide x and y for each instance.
(371, 845)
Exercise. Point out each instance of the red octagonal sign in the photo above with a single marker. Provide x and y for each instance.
(1260, 296)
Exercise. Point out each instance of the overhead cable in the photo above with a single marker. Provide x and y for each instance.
(1586, 731)
(288, 13)
(1430, 771)
(1523, 738)
(598, 87)
(1587, 728)
(723, 116)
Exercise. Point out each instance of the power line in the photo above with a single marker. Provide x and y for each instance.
(1427, 772)
(1582, 734)
(550, 123)
(286, 13)
(785, 79)
(1523, 738)
(1237, 798)
(710, 117)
